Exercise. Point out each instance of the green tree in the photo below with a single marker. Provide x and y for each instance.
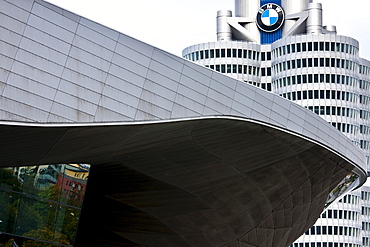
(51, 193)
(9, 243)
(44, 234)
(9, 180)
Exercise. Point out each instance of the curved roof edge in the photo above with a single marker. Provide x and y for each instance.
(360, 170)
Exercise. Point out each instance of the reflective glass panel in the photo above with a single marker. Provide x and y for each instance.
(41, 203)
(350, 182)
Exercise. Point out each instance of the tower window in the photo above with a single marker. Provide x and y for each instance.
(315, 46)
(321, 46)
(309, 46)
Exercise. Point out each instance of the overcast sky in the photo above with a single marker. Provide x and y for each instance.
(173, 25)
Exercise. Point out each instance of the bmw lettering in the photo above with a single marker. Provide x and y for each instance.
(270, 17)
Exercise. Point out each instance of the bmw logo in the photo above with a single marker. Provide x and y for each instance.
(270, 17)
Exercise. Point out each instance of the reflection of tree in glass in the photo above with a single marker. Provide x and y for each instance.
(8, 180)
(29, 217)
(63, 220)
(8, 211)
(9, 243)
(45, 234)
(67, 222)
(39, 211)
(8, 201)
(51, 193)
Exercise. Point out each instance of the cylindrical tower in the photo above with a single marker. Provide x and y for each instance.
(293, 7)
(314, 21)
(223, 28)
(321, 73)
(331, 28)
(248, 9)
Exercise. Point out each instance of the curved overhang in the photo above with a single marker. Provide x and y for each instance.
(58, 127)
(208, 181)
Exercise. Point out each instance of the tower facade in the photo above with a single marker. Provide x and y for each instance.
(345, 223)
(282, 46)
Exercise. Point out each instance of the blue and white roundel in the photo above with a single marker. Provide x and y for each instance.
(269, 17)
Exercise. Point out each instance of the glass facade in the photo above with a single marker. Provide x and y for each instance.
(350, 182)
(41, 205)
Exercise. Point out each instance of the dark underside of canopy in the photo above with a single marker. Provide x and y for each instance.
(210, 182)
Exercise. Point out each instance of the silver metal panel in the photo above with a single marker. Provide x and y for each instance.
(75, 103)
(23, 4)
(50, 28)
(41, 50)
(20, 95)
(187, 101)
(90, 59)
(103, 113)
(84, 93)
(6, 64)
(47, 40)
(82, 80)
(105, 32)
(140, 47)
(96, 37)
(168, 72)
(12, 108)
(38, 76)
(123, 73)
(160, 84)
(40, 63)
(124, 56)
(62, 12)
(113, 105)
(54, 17)
(94, 48)
(17, 27)
(31, 86)
(14, 11)
(81, 67)
(67, 113)
(177, 63)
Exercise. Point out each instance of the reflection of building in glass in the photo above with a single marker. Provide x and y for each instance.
(348, 183)
(73, 181)
(46, 175)
(35, 206)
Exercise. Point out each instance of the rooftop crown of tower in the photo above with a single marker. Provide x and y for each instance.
(291, 17)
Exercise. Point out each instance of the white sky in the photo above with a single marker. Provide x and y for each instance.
(173, 25)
